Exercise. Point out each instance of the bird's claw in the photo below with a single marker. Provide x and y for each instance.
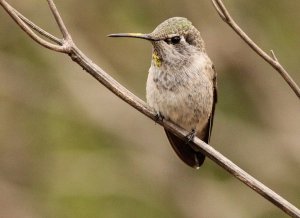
(189, 137)
(159, 117)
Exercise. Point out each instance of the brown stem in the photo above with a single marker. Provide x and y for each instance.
(224, 14)
(11, 11)
(38, 29)
(59, 20)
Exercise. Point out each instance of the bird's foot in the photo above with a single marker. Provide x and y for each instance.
(189, 137)
(159, 117)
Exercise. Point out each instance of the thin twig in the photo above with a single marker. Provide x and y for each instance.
(11, 11)
(224, 14)
(38, 29)
(104, 78)
(59, 20)
(219, 11)
(274, 56)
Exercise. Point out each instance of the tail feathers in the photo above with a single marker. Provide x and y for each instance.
(188, 155)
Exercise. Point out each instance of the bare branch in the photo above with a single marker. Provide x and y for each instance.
(104, 78)
(38, 29)
(220, 9)
(224, 14)
(59, 20)
(11, 11)
(221, 13)
(274, 56)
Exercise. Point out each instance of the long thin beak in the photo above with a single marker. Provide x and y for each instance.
(134, 35)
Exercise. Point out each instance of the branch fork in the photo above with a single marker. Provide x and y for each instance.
(67, 46)
(272, 60)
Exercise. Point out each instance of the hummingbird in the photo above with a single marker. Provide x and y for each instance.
(181, 84)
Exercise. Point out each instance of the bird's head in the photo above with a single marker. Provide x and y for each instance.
(174, 41)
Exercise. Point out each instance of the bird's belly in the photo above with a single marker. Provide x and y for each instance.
(188, 105)
(179, 109)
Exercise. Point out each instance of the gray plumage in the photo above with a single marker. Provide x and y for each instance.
(181, 84)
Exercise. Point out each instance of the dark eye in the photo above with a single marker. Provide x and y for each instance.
(175, 39)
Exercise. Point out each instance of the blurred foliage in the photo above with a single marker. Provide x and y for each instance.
(69, 148)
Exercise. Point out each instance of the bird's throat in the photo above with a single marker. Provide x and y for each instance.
(156, 59)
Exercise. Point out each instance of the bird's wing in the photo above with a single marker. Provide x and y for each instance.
(207, 130)
(186, 153)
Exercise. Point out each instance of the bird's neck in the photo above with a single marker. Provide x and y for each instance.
(183, 63)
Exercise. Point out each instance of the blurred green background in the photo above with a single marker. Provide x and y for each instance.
(70, 148)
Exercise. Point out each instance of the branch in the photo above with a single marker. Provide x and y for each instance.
(38, 29)
(66, 45)
(59, 21)
(272, 60)
(19, 19)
